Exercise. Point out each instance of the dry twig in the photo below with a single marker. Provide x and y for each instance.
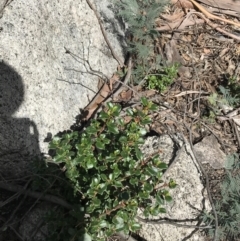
(120, 62)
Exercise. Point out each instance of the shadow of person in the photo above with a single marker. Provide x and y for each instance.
(18, 136)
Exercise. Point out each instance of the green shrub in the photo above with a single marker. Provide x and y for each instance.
(109, 174)
(161, 79)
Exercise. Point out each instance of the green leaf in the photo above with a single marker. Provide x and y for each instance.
(104, 177)
(162, 165)
(144, 195)
(106, 141)
(137, 172)
(143, 177)
(110, 176)
(144, 100)
(132, 164)
(139, 154)
(79, 159)
(96, 202)
(100, 145)
(168, 198)
(72, 173)
(103, 224)
(119, 223)
(162, 210)
(102, 188)
(110, 158)
(154, 211)
(148, 187)
(159, 198)
(146, 212)
(116, 110)
(121, 122)
(117, 219)
(103, 115)
(146, 121)
(123, 139)
(123, 214)
(54, 143)
(91, 129)
(152, 170)
(91, 162)
(153, 107)
(116, 172)
(142, 131)
(110, 105)
(130, 112)
(125, 154)
(95, 181)
(59, 158)
(117, 183)
(103, 168)
(172, 184)
(135, 226)
(112, 127)
(140, 141)
(133, 181)
(90, 209)
(94, 228)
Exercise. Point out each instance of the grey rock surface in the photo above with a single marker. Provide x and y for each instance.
(43, 87)
(208, 151)
(187, 196)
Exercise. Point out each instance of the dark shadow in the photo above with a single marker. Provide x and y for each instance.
(18, 136)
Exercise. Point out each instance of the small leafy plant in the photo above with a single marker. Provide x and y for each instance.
(110, 175)
(160, 81)
(225, 97)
